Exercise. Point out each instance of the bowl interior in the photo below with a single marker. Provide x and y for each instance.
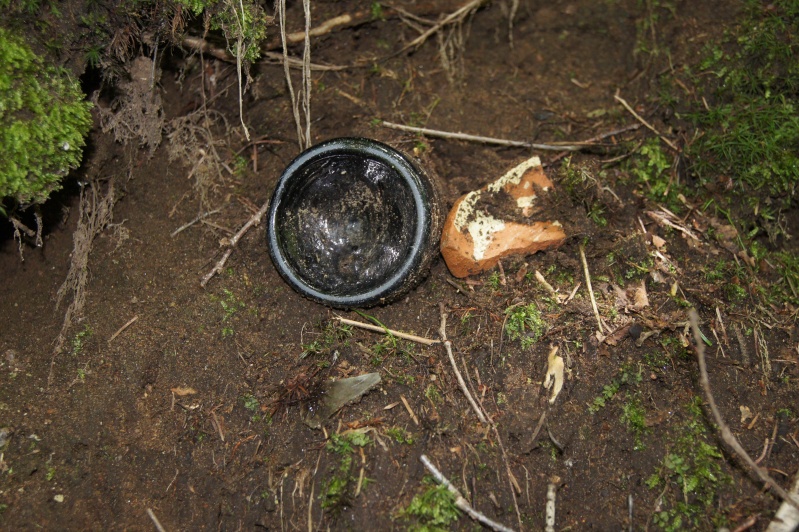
(346, 223)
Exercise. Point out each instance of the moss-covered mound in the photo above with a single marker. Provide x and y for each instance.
(44, 119)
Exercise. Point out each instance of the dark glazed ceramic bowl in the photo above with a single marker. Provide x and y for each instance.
(353, 223)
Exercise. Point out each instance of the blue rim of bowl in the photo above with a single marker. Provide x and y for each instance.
(410, 173)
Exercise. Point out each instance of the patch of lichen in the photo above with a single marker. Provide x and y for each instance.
(44, 119)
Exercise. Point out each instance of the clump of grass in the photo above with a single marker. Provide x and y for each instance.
(751, 127)
(633, 415)
(627, 376)
(434, 509)
(584, 186)
(788, 288)
(338, 488)
(524, 323)
(332, 333)
(400, 435)
(689, 477)
(651, 167)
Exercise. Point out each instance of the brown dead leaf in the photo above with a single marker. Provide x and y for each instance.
(658, 242)
(618, 335)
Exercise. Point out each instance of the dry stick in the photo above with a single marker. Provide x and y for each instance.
(644, 122)
(448, 346)
(726, 433)
(410, 410)
(486, 140)
(787, 517)
(460, 502)
(375, 328)
(281, 15)
(550, 507)
(155, 521)
(119, 331)
(254, 220)
(590, 289)
(306, 72)
(540, 277)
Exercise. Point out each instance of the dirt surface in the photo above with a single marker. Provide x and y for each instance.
(194, 410)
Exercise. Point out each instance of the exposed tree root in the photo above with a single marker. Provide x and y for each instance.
(95, 213)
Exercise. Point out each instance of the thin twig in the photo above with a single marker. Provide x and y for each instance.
(155, 521)
(254, 220)
(726, 433)
(644, 122)
(217, 267)
(538, 427)
(448, 346)
(375, 328)
(410, 410)
(119, 331)
(194, 221)
(486, 140)
(590, 289)
(460, 502)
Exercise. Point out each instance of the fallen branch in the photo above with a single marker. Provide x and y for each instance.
(376, 328)
(254, 220)
(726, 433)
(460, 502)
(448, 346)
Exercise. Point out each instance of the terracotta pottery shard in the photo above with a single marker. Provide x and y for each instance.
(476, 237)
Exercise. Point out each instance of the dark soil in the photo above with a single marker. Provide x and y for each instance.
(195, 410)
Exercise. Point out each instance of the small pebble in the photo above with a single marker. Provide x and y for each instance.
(58, 498)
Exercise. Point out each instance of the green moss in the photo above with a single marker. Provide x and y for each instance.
(689, 477)
(524, 323)
(43, 122)
(434, 509)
